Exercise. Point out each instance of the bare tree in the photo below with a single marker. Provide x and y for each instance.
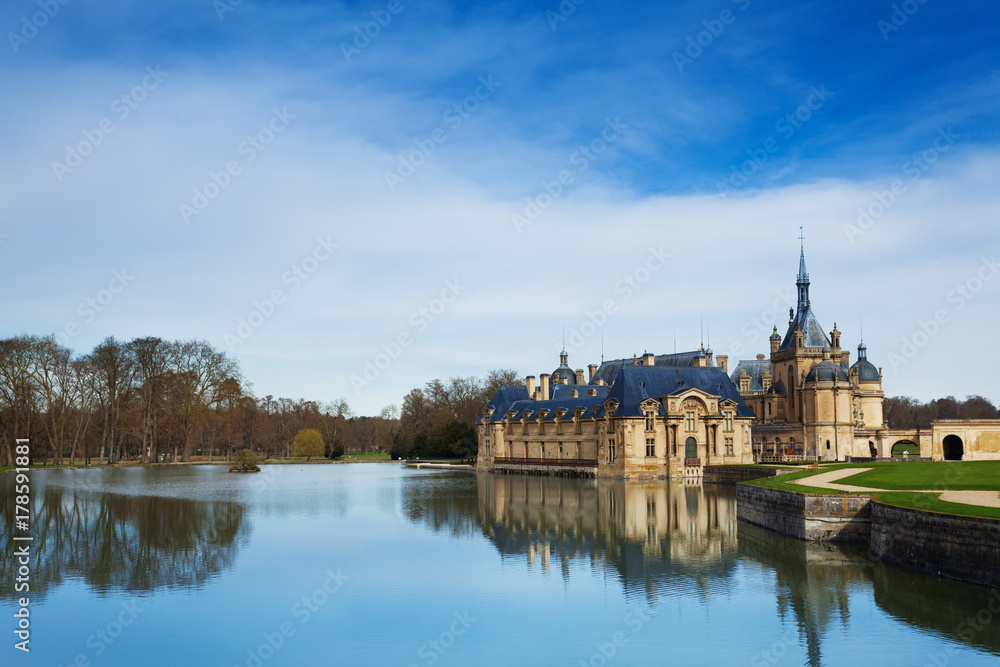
(114, 370)
(201, 370)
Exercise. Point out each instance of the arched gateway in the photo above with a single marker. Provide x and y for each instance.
(953, 448)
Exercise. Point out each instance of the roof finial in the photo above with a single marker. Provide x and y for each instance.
(802, 238)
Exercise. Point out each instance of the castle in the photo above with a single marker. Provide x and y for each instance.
(670, 415)
(808, 402)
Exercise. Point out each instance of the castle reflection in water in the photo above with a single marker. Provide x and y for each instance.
(661, 540)
(647, 533)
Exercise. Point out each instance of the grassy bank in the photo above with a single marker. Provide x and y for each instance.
(932, 502)
(932, 475)
(901, 480)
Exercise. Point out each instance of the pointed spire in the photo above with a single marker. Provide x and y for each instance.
(802, 281)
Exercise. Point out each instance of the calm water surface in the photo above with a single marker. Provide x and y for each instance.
(375, 564)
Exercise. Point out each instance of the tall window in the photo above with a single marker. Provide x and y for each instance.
(689, 421)
(650, 421)
(611, 450)
(727, 418)
(729, 446)
(650, 447)
(560, 450)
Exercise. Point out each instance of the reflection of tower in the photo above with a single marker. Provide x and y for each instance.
(814, 579)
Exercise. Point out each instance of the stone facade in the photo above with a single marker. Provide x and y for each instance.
(659, 417)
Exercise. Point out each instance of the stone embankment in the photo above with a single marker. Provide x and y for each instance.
(958, 547)
(736, 474)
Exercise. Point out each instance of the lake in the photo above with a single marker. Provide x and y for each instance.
(376, 564)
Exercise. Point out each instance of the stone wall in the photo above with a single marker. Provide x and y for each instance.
(538, 469)
(958, 547)
(883, 459)
(828, 517)
(737, 474)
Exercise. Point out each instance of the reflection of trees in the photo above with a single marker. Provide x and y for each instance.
(952, 609)
(134, 543)
(815, 581)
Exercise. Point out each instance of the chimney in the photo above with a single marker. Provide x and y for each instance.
(647, 359)
(592, 368)
(591, 392)
(531, 386)
(600, 383)
(723, 361)
(574, 394)
(544, 379)
(579, 376)
(760, 357)
(700, 361)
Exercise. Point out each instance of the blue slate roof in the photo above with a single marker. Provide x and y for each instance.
(635, 384)
(631, 386)
(504, 398)
(561, 391)
(812, 333)
(593, 405)
(755, 369)
(609, 369)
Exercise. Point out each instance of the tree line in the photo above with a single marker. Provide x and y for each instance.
(151, 399)
(903, 412)
(439, 420)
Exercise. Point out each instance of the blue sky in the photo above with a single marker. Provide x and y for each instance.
(473, 178)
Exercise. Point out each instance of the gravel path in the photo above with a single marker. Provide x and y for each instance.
(827, 480)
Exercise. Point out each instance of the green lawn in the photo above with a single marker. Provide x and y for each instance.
(957, 475)
(929, 475)
(931, 502)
